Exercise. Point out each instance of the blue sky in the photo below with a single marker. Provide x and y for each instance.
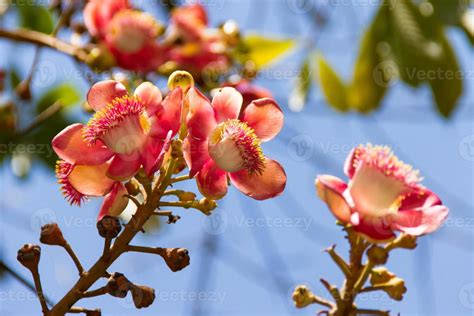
(247, 258)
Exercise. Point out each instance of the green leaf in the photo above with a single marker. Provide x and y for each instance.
(14, 78)
(64, 93)
(374, 71)
(333, 88)
(299, 95)
(447, 83)
(263, 51)
(35, 17)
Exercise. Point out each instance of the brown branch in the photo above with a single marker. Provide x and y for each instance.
(45, 40)
(39, 291)
(74, 258)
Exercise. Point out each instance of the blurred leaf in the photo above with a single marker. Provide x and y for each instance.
(374, 71)
(65, 93)
(263, 51)
(447, 84)
(333, 88)
(14, 78)
(35, 17)
(448, 11)
(299, 95)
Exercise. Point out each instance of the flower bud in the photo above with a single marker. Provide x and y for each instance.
(168, 68)
(231, 33)
(133, 187)
(51, 235)
(177, 148)
(380, 275)
(302, 296)
(405, 241)
(118, 285)
(109, 226)
(377, 255)
(181, 79)
(29, 256)
(396, 288)
(186, 196)
(100, 59)
(143, 296)
(206, 206)
(95, 312)
(176, 258)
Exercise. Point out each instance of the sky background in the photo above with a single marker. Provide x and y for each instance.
(247, 258)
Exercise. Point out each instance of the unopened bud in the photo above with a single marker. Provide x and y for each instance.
(406, 241)
(303, 297)
(231, 33)
(51, 235)
(380, 275)
(206, 206)
(377, 255)
(100, 59)
(180, 78)
(176, 258)
(143, 296)
(133, 187)
(167, 68)
(186, 196)
(177, 148)
(109, 226)
(396, 288)
(118, 285)
(29, 256)
(95, 312)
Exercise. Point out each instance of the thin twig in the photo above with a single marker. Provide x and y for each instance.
(74, 258)
(81, 310)
(180, 178)
(41, 118)
(98, 292)
(39, 292)
(156, 251)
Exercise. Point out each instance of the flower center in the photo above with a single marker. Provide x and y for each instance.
(234, 146)
(121, 125)
(131, 30)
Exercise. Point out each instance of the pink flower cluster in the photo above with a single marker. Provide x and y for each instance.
(135, 38)
(129, 133)
(383, 195)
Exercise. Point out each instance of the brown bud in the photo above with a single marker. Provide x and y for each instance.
(377, 255)
(118, 285)
(206, 206)
(95, 312)
(29, 256)
(133, 187)
(51, 235)
(406, 241)
(143, 296)
(396, 288)
(302, 296)
(180, 165)
(176, 258)
(380, 275)
(23, 90)
(109, 226)
(177, 148)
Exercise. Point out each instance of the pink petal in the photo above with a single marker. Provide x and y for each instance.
(377, 230)
(104, 92)
(200, 119)
(422, 220)
(331, 189)
(123, 167)
(423, 199)
(149, 94)
(349, 165)
(155, 151)
(196, 154)
(114, 202)
(91, 180)
(70, 146)
(212, 181)
(265, 117)
(269, 184)
(98, 13)
(168, 115)
(375, 193)
(227, 103)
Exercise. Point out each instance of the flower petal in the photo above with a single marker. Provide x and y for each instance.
(265, 117)
(227, 103)
(212, 181)
(103, 92)
(70, 146)
(374, 193)
(149, 94)
(331, 189)
(114, 202)
(196, 154)
(123, 167)
(263, 186)
(152, 157)
(168, 115)
(91, 180)
(349, 165)
(200, 119)
(377, 230)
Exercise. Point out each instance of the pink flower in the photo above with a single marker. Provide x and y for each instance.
(125, 133)
(190, 21)
(249, 91)
(130, 35)
(383, 195)
(223, 143)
